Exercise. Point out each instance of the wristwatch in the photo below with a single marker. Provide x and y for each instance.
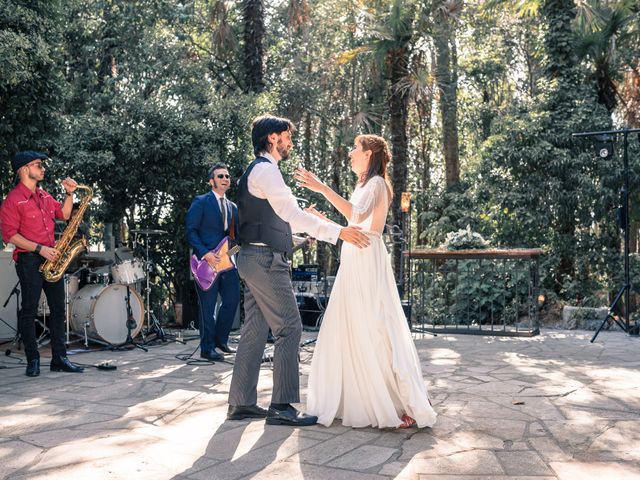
(38, 248)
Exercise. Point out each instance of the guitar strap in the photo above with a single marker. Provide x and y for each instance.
(232, 233)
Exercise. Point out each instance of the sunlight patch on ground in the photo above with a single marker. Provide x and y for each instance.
(171, 404)
(160, 372)
(594, 471)
(443, 356)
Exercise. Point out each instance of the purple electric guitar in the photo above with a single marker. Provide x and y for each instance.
(204, 274)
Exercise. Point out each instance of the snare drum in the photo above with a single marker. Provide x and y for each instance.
(128, 272)
(102, 310)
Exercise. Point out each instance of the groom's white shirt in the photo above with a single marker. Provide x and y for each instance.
(265, 181)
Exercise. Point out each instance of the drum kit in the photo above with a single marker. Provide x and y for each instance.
(103, 298)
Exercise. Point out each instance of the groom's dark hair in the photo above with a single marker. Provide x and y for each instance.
(265, 125)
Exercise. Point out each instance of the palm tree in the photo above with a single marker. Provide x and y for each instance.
(443, 16)
(253, 21)
(605, 31)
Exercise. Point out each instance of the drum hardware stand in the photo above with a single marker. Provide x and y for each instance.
(153, 325)
(43, 324)
(67, 304)
(17, 337)
(131, 325)
(86, 337)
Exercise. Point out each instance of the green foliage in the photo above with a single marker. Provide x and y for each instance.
(473, 292)
(137, 98)
(30, 78)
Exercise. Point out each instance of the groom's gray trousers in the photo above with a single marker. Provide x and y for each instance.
(269, 302)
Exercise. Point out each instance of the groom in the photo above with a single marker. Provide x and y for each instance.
(268, 215)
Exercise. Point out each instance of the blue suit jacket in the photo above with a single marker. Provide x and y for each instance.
(204, 223)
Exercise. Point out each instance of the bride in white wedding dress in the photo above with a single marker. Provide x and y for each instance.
(365, 368)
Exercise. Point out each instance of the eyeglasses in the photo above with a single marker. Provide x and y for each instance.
(223, 175)
(38, 165)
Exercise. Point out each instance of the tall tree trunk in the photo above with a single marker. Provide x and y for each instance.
(447, 79)
(398, 111)
(561, 72)
(253, 19)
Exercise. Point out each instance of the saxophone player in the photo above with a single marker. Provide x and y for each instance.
(27, 220)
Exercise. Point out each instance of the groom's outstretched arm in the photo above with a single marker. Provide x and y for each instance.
(265, 181)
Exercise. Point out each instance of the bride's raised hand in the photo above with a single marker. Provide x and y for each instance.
(307, 179)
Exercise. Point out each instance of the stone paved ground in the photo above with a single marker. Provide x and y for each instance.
(552, 406)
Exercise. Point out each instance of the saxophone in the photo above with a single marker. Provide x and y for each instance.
(52, 271)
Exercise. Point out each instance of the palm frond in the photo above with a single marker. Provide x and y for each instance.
(523, 8)
(349, 55)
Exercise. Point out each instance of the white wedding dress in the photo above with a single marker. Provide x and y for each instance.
(365, 368)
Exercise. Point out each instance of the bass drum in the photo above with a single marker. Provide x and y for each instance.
(103, 310)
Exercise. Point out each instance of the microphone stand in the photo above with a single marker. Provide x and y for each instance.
(17, 337)
(131, 325)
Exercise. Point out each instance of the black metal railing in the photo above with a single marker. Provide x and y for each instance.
(486, 292)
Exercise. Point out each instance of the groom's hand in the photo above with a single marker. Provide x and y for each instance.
(354, 236)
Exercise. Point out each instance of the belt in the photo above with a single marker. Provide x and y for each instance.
(29, 254)
(264, 248)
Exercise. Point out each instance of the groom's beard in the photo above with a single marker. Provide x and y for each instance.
(282, 150)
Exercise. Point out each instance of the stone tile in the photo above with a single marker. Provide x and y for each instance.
(505, 429)
(578, 413)
(595, 471)
(399, 470)
(536, 429)
(291, 470)
(364, 457)
(477, 462)
(394, 439)
(255, 460)
(523, 463)
(15, 455)
(122, 425)
(576, 434)
(327, 451)
(623, 438)
(231, 444)
(549, 449)
(484, 477)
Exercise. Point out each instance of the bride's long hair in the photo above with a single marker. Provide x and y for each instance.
(378, 161)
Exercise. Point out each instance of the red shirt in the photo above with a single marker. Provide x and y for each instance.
(31, 214)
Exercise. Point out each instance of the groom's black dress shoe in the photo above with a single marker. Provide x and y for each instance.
(249, 411)
(226, 348)
(291, 417)
(62, 364)
(33, 368)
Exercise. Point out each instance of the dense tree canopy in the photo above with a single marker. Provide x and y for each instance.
(478, 100)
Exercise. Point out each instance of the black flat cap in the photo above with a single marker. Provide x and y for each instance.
(20, 159)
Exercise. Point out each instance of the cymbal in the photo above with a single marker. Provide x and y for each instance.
(149, 231)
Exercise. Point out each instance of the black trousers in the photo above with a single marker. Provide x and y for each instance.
(31, 285)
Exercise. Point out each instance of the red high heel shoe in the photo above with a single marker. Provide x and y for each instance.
(407, 422)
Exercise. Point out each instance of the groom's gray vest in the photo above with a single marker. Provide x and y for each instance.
(258, 222)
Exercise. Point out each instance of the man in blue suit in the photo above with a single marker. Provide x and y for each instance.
(210, 218)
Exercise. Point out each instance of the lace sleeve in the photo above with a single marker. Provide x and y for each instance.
(373, 196)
